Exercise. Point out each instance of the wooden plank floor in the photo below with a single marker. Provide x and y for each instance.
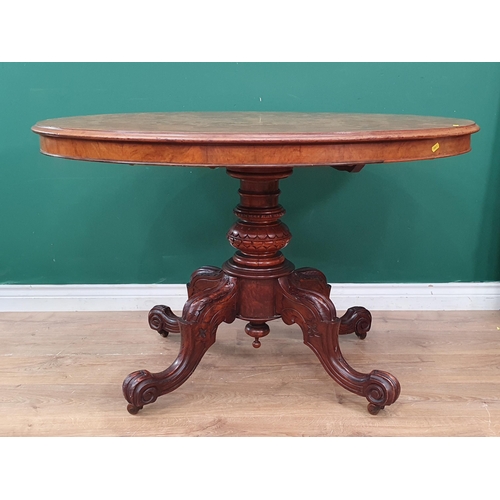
(61, 375)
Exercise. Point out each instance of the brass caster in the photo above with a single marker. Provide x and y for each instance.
(134, 410)
(373, 409)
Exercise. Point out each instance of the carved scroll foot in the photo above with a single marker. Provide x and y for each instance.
(356, 320)
(308, 307)
(163, 320)
(206, 309)
(380, 389)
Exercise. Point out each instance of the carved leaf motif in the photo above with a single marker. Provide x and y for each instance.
(312, 330)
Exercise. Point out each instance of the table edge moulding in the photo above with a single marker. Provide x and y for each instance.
(258, 284)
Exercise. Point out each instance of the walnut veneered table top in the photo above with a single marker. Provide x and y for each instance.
(254, 138)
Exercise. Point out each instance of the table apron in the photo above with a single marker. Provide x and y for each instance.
(223, 155)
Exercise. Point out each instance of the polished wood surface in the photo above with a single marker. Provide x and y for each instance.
(252, 138)
(258, 284)
(254, 127)
(61, 376)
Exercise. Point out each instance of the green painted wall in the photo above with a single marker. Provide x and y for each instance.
(63, 221)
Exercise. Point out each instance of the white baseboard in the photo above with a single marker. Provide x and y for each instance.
(375, 297)
(90, 297)
(418, 297)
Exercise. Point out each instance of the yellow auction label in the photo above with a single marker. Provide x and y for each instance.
(435, 147)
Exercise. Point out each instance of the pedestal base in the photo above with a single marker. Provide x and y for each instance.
(301, 297)
(258, 285)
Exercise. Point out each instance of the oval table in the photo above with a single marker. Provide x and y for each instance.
(257, 284)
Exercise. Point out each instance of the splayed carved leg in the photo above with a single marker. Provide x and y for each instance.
(206, 308)
(356, 319)
(306, 305)
(163, 320)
